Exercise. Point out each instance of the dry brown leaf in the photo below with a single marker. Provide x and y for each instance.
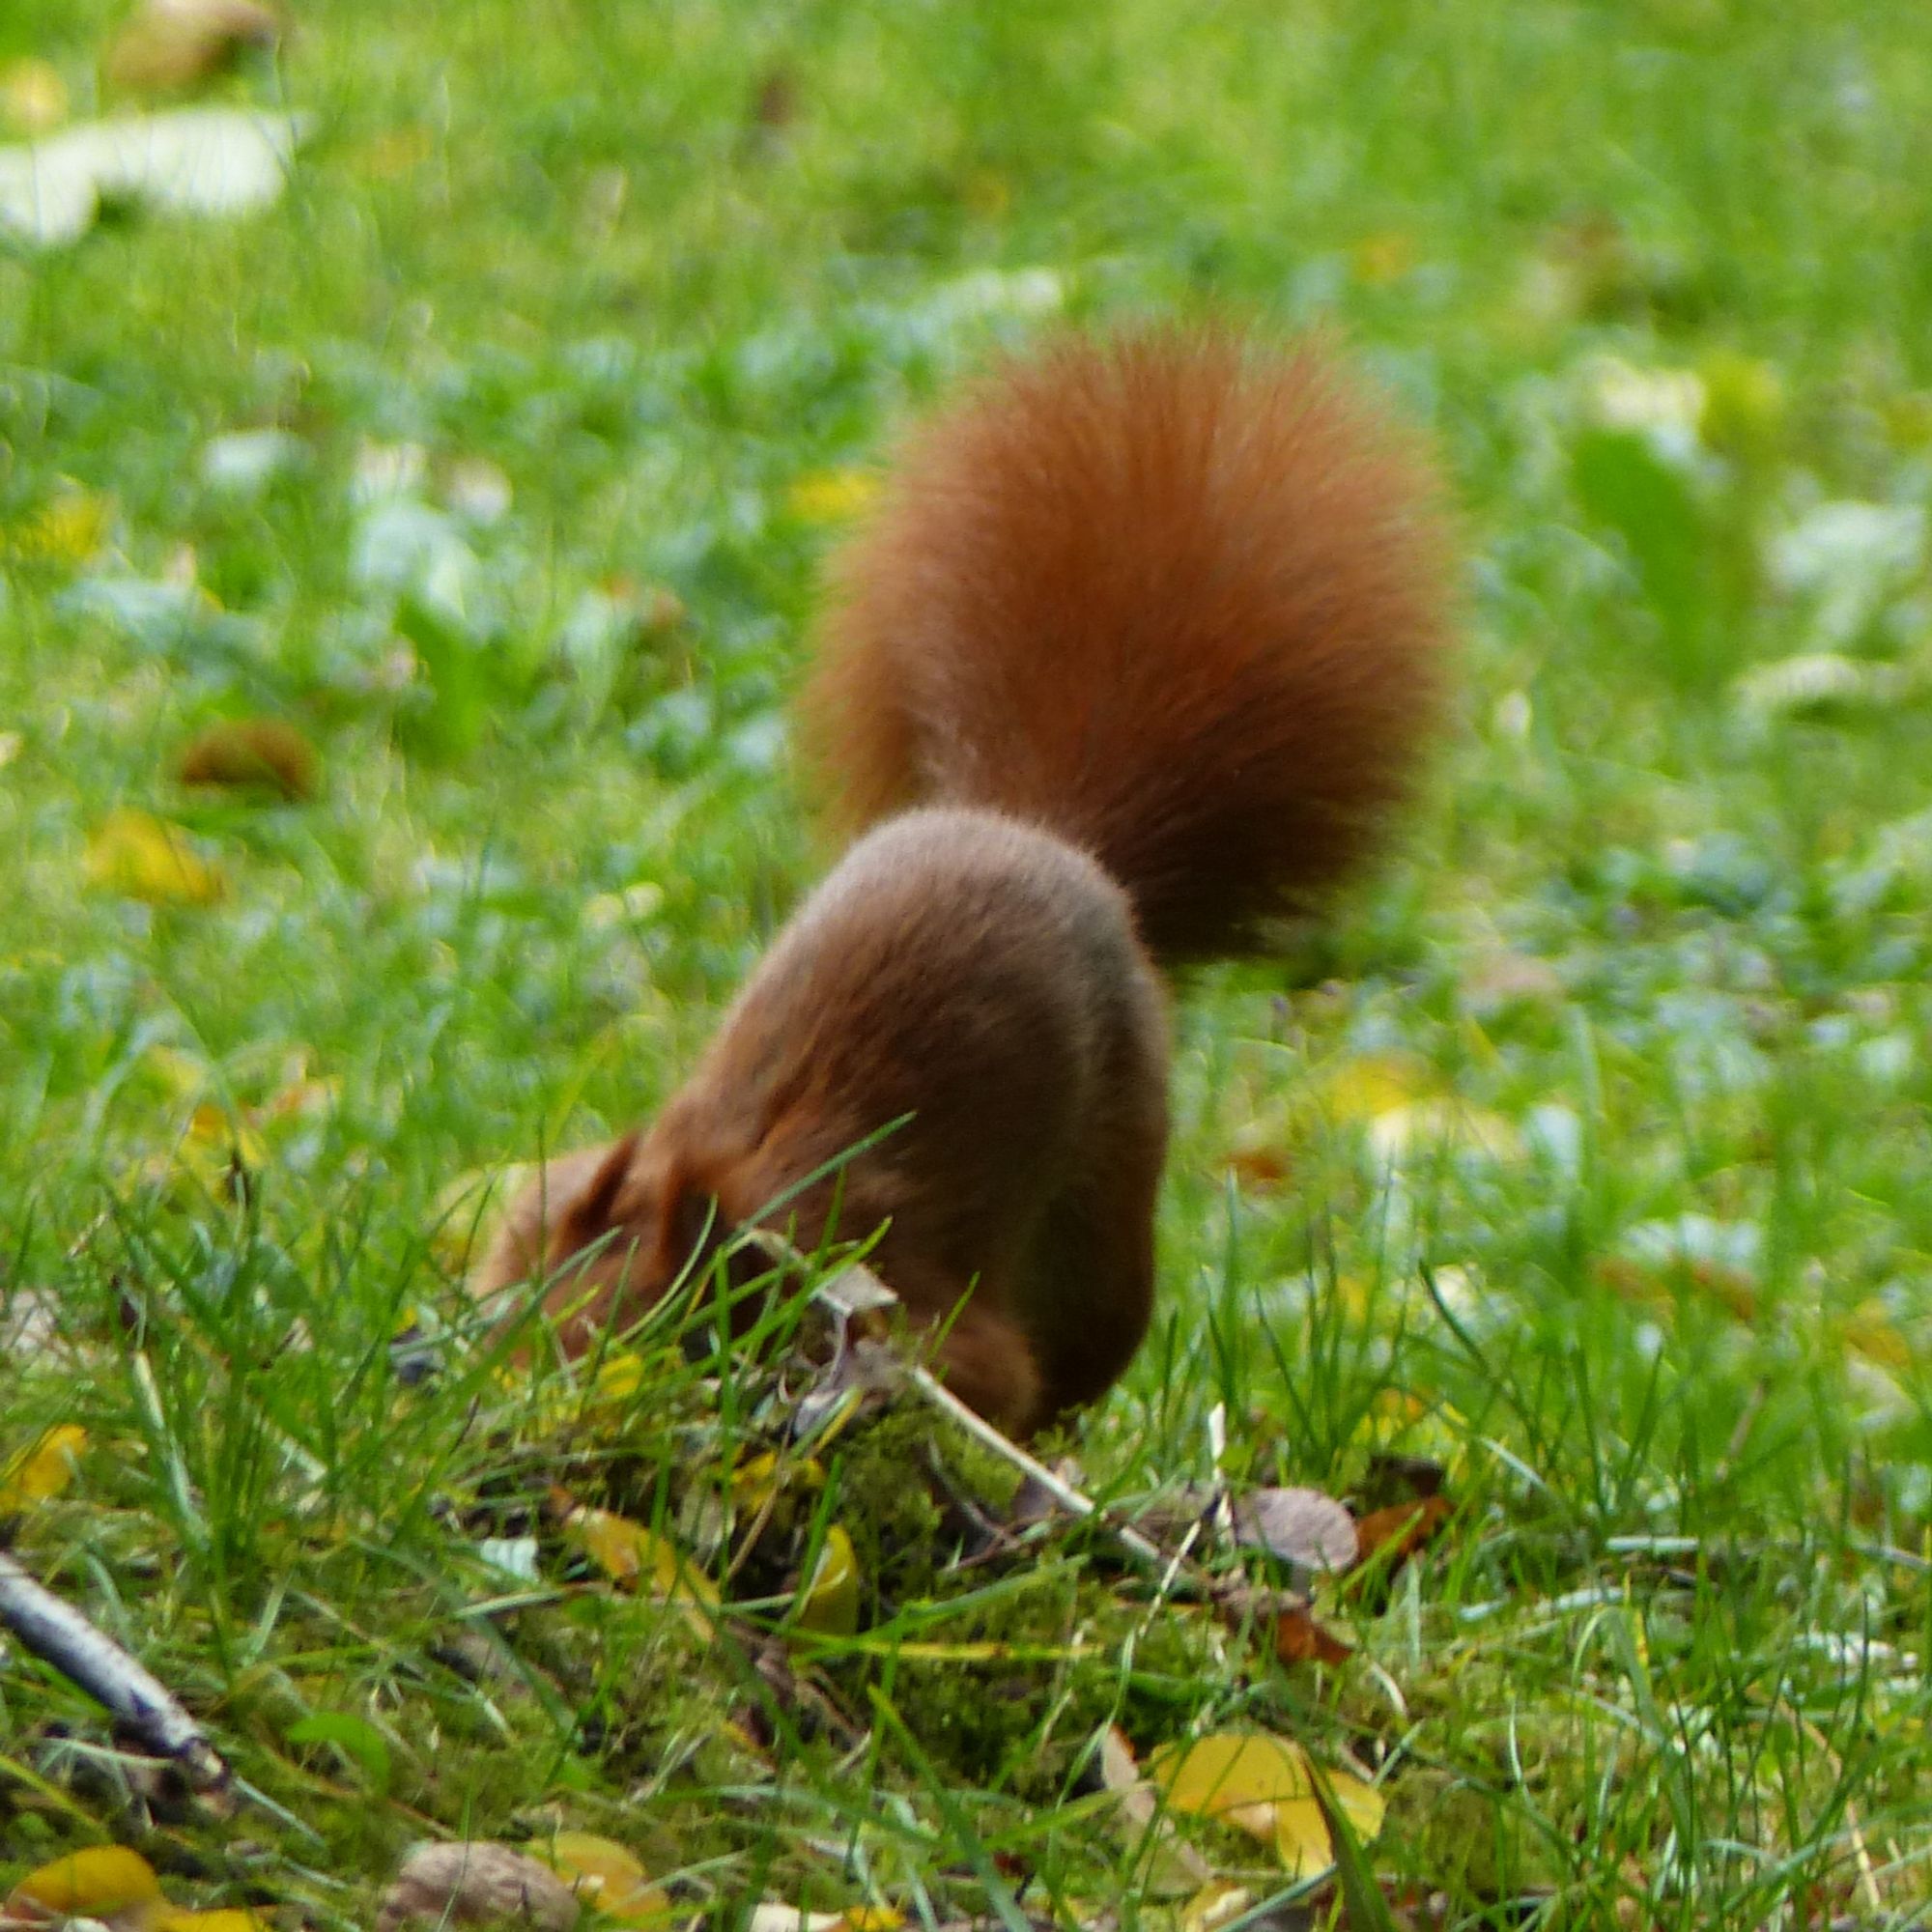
(251, 755)
(171, 44)
(1396, 1533)
(1652, 1286)
(476, 1882)
(774, 104)
(1258, 1164)
(1299, 1639)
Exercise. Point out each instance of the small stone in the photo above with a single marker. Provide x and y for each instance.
(476, 1882)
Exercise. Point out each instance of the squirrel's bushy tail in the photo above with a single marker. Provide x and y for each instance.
(1180, 600)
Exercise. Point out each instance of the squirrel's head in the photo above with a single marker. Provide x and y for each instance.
(609, 1230)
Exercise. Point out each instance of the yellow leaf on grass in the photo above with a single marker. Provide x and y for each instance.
(142, 857)
(229, 1919)
(41, 1471)
(1374, 1084)
(33, 96)
(760, 1478)
(1216, 1902)
(829, 1603)
(1262, 1785)
(95, 1884)
(629, 1553)
(1228, 1775)
(216, 1129)
(182, 1075)
(618, 1376)
(830, 496)
(871, 1918)
(1301, 1840)
(69, 530)
(604, 1876)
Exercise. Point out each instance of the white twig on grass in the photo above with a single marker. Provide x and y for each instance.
(1064, 1494)
(57, 1634)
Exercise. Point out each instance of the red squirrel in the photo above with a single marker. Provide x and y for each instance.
(1144, 639)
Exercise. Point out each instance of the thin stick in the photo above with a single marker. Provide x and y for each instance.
(57, 1634)
(1068, 1498)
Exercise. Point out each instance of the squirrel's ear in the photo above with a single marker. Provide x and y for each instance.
(688, 1219)
(592, 1210)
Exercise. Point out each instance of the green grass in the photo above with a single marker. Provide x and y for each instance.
(1654, 1299)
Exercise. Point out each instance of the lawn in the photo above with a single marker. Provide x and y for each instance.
(1581, 1171)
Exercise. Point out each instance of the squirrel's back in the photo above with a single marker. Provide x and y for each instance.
(1180, 601)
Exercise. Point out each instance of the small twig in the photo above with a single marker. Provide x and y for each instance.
(1223, 1513)
(59, 1635)
(982, 1431)
(856, 1292)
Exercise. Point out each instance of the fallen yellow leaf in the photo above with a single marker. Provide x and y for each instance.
(629, 1553)
(41, 1471)
(618, 1376)
(604, 1875)
(829, 1603)
(95, 1884)
(756, 1481)
(1216, 1902)
(215, 1129)
(142, 857)
(33, 96)
(1374, 1084)
(69, 530)
(1260, 1784)
(1301, 1839)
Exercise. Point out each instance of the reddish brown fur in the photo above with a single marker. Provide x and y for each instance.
(1158, 602)
(1182, 602)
